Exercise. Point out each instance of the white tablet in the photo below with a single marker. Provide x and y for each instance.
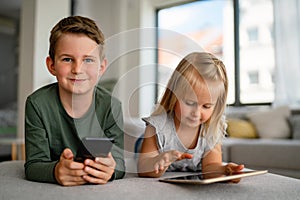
(211, 177)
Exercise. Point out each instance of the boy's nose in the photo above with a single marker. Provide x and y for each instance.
(77, 67)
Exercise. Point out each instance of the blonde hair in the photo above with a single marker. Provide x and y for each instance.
(195, 71)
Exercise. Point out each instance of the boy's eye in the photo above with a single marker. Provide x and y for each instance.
(67, 59)
(88, 60)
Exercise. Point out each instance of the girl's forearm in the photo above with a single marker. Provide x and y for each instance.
(214, 167)
(146, 168)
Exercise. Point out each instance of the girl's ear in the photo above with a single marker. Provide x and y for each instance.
(103, 67)
(50, 66)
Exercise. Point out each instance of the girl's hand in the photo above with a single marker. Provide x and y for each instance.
(99, 171)
(232, 168)
(164, 160)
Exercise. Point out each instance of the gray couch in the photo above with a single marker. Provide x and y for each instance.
(263, 187)
(278, 154)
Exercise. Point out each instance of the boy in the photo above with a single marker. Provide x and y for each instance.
(59, 115)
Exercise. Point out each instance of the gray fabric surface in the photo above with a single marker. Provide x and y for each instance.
(276, 155)
(268, 186)
(284, 156)
(295, 126)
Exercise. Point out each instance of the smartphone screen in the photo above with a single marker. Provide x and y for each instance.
(92, 147)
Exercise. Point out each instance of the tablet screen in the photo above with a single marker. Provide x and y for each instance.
(211, 177)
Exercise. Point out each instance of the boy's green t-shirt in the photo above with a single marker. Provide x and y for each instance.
(49, 130)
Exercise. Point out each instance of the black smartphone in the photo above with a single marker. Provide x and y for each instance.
(92, 147)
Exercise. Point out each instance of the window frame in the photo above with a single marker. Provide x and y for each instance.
(236, 29)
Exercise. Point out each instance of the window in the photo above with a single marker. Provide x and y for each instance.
(253, 77)
(253, 34)
(239, 32)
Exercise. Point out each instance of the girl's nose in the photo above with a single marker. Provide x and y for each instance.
(196, 112)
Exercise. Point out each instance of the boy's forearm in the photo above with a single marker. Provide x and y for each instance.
(120, 169)
(118, 155)
(40, 171)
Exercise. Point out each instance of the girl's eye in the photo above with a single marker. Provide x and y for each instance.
(190, 103)
(207, 106)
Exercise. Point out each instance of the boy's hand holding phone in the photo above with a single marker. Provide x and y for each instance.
(67, 172)
(92, 147)
(100, 170)
(93, 163)
(99, 163)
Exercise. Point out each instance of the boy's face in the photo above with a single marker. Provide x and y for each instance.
(77, 64)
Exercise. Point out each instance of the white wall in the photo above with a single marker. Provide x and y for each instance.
(130, 36)
(37, 19)
(128, 26)
(119, 19)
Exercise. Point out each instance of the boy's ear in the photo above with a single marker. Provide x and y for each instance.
(50, 66)
(103, 67)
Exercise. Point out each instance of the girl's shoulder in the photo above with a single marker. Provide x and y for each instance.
(158, 121)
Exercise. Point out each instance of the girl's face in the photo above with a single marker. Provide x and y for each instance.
(195, 108)
(77, 64)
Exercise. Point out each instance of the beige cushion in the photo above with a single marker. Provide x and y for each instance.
(239, 128)
(272, 123)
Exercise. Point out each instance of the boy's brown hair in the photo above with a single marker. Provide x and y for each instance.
(76, 25)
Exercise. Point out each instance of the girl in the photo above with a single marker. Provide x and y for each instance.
(185, 131)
